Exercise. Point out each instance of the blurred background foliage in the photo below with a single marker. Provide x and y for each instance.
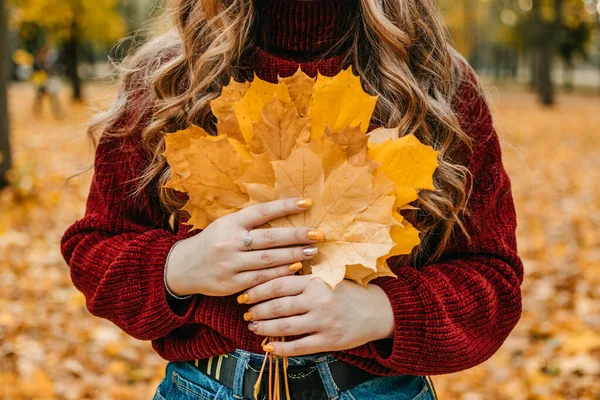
(530, 40)
(540, 63)
(80, 28)
(83, 31)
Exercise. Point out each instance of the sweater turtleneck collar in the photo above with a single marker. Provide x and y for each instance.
(303, 28)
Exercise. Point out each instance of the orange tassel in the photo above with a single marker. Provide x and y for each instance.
(277, 391)
(270, 375)
(260, 375)
(274, 388)
(285, 376)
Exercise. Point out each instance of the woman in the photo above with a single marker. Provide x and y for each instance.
(46, 81)
(206, 300)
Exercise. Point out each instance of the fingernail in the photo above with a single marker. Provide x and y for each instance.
(310, 251)
(248, 316)
(243, 298)
(253, 326)
(304, 203)
(297, 266)
(269, 348)
(316, 235)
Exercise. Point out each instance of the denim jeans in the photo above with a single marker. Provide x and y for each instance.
(184, 381)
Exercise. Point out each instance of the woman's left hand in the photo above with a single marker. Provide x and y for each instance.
(339, 319)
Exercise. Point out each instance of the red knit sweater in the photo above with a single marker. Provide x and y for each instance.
(449, 315)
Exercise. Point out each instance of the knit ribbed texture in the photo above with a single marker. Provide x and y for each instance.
(449, 316)
(311, 27)
(272, 66)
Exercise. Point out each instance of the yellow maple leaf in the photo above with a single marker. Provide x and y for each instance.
(249, 108)
(300, 87)
(222, 108)
(340, 102)
(214, 166)
(279, 129)
(353, 237)
(408, 163)
(176, 144)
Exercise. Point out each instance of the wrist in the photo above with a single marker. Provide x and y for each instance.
(172, 284)
(385, 313)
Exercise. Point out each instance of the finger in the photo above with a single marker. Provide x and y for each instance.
(310, 344)
(295, 325)
(253, 260)
(280, 287)
(277, 308)
(279, 237)
(259, 214)
(249, 279)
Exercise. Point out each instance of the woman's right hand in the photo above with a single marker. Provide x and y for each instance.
(215, 262)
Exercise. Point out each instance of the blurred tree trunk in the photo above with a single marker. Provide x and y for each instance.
(535, 48)
(5, 157)
(568, 76)
(72, 53)
(598, 27)
(548, 47)
(545, 86)
(470, 31)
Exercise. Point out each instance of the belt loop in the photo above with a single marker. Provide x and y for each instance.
(238, 378)
(209, 367)
(325, 373)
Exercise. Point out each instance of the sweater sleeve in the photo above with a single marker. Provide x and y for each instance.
(455, 313)
(117, 252)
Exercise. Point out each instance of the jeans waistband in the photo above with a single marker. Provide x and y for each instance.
(320, 362)
(256, 359)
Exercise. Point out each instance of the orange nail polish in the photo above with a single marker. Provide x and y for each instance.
(297, 266)
(243, 298)
(248, 316)
(316, 235)
(304, 203)
(269, 348)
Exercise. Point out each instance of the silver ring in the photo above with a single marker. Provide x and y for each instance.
(248, 240)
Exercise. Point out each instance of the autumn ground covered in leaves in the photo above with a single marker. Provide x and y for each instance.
(51, 347)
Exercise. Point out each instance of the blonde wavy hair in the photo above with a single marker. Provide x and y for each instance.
(400, 49)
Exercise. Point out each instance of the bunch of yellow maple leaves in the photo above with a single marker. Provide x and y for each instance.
(306, 137)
